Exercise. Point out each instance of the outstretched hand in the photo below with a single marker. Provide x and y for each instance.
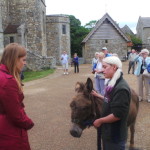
(94, 93)
(97, 123)
(141, 53)
(97, 94)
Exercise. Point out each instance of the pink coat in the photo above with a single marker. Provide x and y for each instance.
(14, 122)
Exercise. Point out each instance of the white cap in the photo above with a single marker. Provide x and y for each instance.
(113, 60)
(96, 53)
(104, 48)
(145, 51)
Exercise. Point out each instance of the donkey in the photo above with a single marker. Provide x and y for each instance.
(85, 108)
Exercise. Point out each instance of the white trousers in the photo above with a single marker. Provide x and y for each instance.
(143, 83)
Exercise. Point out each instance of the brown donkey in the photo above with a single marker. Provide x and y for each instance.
(85, 108)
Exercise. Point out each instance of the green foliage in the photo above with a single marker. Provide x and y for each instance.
(33, 75)
(77, 33)
(137, 43)
(135, 40)
(91, 25)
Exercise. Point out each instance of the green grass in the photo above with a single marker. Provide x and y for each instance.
(33, 75)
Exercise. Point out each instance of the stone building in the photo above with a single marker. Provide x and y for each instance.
(45, 37)
(58, 35)
(106, 33)
(143, 31)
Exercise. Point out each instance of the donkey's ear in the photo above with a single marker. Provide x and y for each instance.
(79, 87)
(89, 85)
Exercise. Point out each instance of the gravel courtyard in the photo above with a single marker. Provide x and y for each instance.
(47, 103)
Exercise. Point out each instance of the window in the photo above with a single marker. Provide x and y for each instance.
(106, 41)
(44, 27)
(63, 29)
(11, 39)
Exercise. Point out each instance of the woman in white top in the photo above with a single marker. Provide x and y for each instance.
(99, 76)
(64, 61)
(94, 60)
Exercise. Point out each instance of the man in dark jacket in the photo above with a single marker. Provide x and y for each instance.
(116, 106)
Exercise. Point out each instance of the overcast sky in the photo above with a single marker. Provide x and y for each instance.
(124, 12)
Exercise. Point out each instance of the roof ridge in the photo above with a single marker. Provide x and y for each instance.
(99, 22)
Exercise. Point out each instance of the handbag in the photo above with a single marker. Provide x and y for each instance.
(146, 73)
(100, 75)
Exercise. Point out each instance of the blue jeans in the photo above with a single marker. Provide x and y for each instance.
(99, 85)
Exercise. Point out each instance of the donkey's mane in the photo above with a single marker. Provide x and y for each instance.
(96, 106)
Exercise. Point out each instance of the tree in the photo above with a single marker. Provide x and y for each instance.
(91, 25)
(137, 43)
(77, 33)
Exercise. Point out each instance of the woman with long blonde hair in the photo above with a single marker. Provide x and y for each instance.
(14, 122)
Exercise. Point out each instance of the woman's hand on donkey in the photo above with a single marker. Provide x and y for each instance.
(97, 94)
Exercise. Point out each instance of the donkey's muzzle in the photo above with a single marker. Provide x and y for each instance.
(76, 131)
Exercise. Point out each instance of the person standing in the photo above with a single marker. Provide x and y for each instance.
(76, 63)
(64, 61)
(116, 105)
(99, 76)
(128, 53)
(105, 51)
(143, 61)
(94, 62)
(14, 122)
(131, 58)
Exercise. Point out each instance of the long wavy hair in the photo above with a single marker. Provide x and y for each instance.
(10, 56)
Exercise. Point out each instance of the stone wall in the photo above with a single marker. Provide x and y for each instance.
(1, 43)
(37, 62)
(36, 37)
(105, 36)
(1, 34)
(17, 11)
(32, 13)
(4, 13)
(115, 46)
(143, 32)
(35, 31)
(57, 42)
(146, 35)
(3, 22)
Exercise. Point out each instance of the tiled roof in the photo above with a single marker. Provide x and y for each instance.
(11, 29)
(126, 30)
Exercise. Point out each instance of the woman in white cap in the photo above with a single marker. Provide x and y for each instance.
(142, 60)
(115, 107)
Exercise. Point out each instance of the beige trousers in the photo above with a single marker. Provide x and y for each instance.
(143, 82)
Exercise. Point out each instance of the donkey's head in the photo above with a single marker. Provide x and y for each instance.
(83, 107)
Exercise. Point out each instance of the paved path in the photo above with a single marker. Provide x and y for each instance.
(47, 103)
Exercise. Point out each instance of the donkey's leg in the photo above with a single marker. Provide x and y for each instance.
(99, 138)
(132, 131)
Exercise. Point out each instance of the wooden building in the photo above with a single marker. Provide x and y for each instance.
(108, 34)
